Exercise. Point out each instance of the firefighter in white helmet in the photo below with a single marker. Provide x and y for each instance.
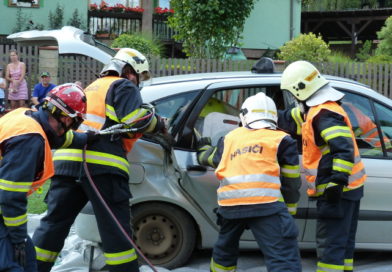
(258, 169)
(113, 98)
(334, 171)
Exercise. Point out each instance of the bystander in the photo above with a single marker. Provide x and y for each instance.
(3, 85)
(42, 88)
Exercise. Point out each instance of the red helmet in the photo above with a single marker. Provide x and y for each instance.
(67, 100)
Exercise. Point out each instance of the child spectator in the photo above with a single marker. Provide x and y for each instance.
(3, 85)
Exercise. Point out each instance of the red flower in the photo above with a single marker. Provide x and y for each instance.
(135, 9)
(93, 6)
(103, 6)
(159, 10)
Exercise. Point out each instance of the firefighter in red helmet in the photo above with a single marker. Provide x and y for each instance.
(114, 99)
(26, 139)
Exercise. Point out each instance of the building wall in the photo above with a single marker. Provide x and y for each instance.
(40, 15)
(268, 26)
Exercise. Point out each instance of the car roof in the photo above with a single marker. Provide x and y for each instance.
(161, 87)
(226, 75)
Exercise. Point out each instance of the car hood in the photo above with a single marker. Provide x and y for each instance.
(70, 40)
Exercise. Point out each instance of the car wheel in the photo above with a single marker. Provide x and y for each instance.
(165, 234)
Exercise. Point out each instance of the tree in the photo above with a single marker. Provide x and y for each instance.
(24, 23)
(207, 28)
(56, 18)
(305, 47)
(365, 52)
(145, 45)
(20, 21)
(75, 20)
(385, 37)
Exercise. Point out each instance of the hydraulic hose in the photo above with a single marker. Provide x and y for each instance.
(118, 129)
(107, 208)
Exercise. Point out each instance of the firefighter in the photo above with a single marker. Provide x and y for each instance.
(334, 171)
(26, 140)
(258, 172)
(366, 130)
(114, 98)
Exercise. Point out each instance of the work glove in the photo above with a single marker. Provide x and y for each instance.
(339, 178)
(161, 125)
(203, 143)
(20, 253)
(333, 192)
(92, 136)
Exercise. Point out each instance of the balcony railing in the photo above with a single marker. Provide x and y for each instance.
(110, 24)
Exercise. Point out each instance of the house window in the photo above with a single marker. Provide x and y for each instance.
(24, 3)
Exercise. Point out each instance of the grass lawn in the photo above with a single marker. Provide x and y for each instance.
(36, 202)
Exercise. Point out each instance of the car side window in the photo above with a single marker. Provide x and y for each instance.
(173, 107)
(220, 115)
(359, 110)
(384, 115)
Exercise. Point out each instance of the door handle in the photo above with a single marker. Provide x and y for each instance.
(200, 168)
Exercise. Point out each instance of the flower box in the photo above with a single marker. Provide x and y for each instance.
(23, 4)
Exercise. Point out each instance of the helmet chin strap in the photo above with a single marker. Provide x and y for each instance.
(303, 107)
(62, 125)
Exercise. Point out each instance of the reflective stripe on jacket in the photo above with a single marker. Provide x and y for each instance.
(249, 170)
(97, 113)
(17, 123)
(312, 153)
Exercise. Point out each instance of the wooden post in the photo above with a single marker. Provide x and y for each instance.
(147, 5)
(49, 62)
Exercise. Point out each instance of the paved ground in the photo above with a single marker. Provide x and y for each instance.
(76, 256)
(253, 261)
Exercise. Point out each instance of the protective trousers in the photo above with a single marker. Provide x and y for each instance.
(335, 237)
(275, 234)
(66, 197)
(7, 262)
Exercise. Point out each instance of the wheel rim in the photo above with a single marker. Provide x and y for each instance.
(158, 237)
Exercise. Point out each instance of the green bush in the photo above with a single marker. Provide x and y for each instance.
(144, 45)
(365, 52)
(339, 57)
(305, 47)
(385, 37)
(380, 59)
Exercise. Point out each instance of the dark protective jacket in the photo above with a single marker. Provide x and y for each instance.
(26, 139)
(338, 147)
(111, 100)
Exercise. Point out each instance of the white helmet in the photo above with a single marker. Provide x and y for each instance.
(302, 79)
(259, 111)
(131, 57)
(306, 83)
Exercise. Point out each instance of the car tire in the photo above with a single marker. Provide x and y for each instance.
(165, 234)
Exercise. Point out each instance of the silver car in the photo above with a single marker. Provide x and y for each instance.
(174, 197)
